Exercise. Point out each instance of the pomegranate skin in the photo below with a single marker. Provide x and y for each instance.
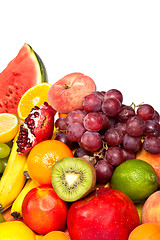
(37, 127)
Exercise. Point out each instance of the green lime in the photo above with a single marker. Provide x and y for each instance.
(3, 164)
(4, 150)
(136, 178)
(1, 218)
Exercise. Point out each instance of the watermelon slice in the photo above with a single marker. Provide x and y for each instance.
(23, 72)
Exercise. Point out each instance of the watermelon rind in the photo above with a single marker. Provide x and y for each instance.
(44, 76)
(23, 72)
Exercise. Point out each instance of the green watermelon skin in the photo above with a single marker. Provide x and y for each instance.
(22, 73)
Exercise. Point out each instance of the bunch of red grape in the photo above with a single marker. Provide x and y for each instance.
(110, 131)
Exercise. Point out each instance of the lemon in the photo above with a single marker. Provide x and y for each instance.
(8, 127)
(136, 178)
(35, 96)
(16, 230)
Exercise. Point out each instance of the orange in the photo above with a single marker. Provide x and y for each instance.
(8, 127)
(42, 157)
(16, 230)
(56, 235)
(35, 96)
(146, 231)
(62, 115)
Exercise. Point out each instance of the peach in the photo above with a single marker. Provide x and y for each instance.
(67, 94)
(151, 209)
(152, 159)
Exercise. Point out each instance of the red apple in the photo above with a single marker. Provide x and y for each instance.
(43, 211)
(106, 214)
(67, 94)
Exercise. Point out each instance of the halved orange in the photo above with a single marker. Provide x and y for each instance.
(35, 96)
(8, 127)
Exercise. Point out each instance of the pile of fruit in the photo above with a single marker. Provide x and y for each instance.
(75, 163)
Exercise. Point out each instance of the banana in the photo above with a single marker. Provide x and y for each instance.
(13, 179)
(25, 172)
(16, 208)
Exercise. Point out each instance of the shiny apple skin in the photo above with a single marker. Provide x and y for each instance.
(106, 214)
(43, 211)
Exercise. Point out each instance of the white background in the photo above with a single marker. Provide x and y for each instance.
(117, 43)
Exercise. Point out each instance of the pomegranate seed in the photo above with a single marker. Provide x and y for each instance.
(36, 114)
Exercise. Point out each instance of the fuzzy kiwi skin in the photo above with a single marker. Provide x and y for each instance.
(93, 185)
(93, 178)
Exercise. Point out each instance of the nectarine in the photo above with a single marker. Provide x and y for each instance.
(66, 94)
(152, 159)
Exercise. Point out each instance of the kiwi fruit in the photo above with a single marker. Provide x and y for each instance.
(73, 178)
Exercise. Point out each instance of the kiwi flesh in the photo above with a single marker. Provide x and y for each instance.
(73, 178)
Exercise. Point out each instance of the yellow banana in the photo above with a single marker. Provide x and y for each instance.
(16, 209)
(25, 172)
(13, 179)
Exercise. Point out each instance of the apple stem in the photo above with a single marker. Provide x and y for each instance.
(96, 193)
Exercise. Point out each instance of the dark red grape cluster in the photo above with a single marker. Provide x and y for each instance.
(110, 131)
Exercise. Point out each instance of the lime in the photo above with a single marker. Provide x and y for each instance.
(136, 178)
(3, 164)
(1, 218)
(4, 150)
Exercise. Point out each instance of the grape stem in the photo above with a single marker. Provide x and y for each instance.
(135, 106)
(99, 154)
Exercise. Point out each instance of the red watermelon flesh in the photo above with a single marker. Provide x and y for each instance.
(23, 72)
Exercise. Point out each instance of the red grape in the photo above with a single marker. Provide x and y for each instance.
(75, 117)
(92, 103)
(105, 120)
(93, 121)
(128, 155)
(104, 171)
(156, 116)
(152, 144)
(111, 106)
(60, 124)
(63, 138)
(114, 93)
(131, 143)
(91, 141)
(152, 127)
(113, 137)
(121, 126)
(80, 152)
(135, 126)
(99, 94)
(112, 121)
(125, 113)
(75, 131)
(145, 111)
(114, 156)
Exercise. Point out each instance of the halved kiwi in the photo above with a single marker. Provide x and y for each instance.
(73, 178)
